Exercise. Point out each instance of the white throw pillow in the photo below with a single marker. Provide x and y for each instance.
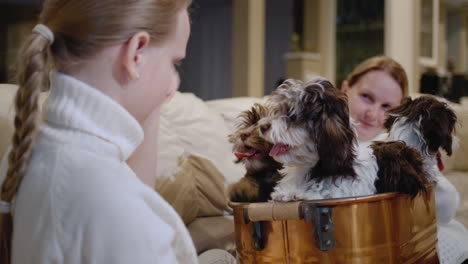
(230, 108)
(189, 127)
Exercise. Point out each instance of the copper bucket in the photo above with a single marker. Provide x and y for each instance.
(383, 228)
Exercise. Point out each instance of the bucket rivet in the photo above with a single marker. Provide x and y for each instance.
(327, 243)
(326, 228)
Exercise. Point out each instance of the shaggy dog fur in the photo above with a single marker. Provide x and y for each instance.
(252, 150)
(309, 125)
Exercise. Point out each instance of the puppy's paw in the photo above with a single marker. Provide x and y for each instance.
(283, 195)
(246, 190)
(303, 195)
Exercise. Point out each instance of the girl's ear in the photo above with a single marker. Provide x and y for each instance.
(133, 52)
(344, 86)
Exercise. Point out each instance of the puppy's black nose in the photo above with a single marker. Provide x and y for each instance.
(265, 127)
(244, 136)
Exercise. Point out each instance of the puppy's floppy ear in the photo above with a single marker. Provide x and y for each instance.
(334, 135)
(395, 112)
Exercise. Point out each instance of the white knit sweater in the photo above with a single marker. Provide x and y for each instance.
(79, 201)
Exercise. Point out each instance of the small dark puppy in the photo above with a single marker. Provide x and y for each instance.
(252, 150)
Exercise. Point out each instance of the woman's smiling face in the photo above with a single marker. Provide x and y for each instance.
(369, 99)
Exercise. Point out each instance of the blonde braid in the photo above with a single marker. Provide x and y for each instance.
(31, 73)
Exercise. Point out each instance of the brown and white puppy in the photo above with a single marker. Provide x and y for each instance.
(252, 150)
(428, 125)
(313, 138)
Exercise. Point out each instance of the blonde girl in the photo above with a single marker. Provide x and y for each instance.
(69, 195)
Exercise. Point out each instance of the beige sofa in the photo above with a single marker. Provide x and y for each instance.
(195, 161)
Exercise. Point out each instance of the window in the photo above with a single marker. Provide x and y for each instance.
(359, 33)
(429, 32)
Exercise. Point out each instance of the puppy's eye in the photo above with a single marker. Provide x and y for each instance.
(292, 117)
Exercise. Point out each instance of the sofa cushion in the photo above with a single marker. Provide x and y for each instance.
(213, 232)
(189, 127)
(197, 189)
(6, 134)
(230, 108)
(195, 159)
(460, 180)
(7, 95)
(6, 128)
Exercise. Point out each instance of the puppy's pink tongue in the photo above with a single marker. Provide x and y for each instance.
(241, 155)
(279, 149)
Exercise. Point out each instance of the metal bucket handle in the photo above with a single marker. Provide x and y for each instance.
(301, 210)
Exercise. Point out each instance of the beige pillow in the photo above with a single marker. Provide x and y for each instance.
(189, 127)
(196, 190)
(195, 159)
(213, 232)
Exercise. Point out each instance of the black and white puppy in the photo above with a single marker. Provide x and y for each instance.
(252, 150)
(310, 127)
